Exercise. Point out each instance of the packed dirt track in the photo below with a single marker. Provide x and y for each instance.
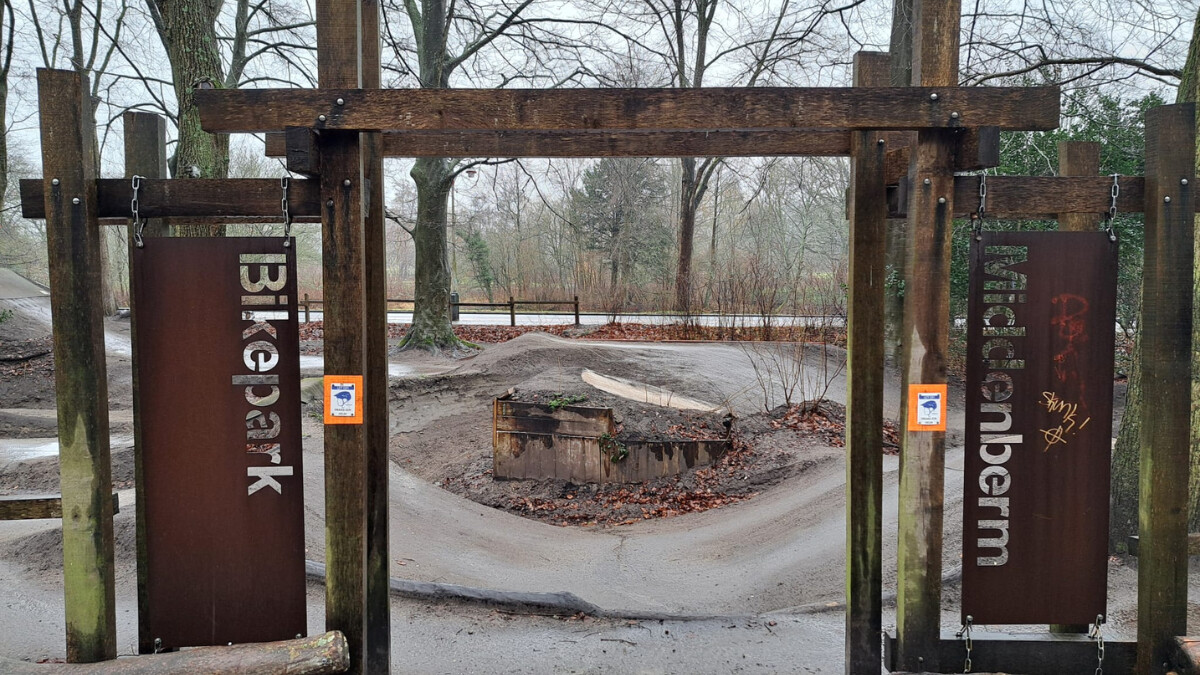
(755, 585)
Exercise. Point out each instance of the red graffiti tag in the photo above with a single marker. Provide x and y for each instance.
(1069, 320)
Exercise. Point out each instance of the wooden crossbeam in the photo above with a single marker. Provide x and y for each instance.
(709, 143)
(262, 110)
(185, 199)
(1028, 653)
(32, 507)
(1042, 197)
(243, 200)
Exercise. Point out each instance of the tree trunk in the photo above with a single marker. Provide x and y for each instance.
(188, 33)
(1188, 86)
(431, 327)
(687, 232)
(1126, 454)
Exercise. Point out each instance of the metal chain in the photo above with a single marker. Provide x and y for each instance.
(977, 217)
(287, 214)
(1114, 192)
(138, 223)
(965, 634)
(1096, 635)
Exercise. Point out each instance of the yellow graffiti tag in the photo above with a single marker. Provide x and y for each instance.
(1067, 421)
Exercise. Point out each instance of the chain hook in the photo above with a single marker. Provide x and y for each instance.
(134, 204)
(1114, 192)
(1096, 634)
(284, 183)
(965, 634)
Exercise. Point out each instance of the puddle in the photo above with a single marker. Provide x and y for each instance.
(312, 364)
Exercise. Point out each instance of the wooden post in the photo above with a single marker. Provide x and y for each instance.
(145, 156)
(512, 311)
(1077, 158)
(80, 379)
(577, 310)
(307, 318)
(379, 608)
(926, 323)
(1165, 345)
(865, 366)
(343, 195)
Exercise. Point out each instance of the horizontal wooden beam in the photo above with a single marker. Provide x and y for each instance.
(1028, 653)
(715, 143)
(234, 199)
(1043, 197)
(25, 507)
(261, 110)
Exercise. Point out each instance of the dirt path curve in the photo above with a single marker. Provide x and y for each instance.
(784, 548)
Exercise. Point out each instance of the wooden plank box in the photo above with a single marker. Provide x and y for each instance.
(532, 440)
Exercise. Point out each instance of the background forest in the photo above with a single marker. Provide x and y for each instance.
(747, 235)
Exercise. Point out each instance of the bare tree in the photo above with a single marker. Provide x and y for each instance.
(441, 40)
(190, 31)
(743, 43)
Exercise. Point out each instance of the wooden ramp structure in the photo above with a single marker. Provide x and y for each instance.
(906, 143)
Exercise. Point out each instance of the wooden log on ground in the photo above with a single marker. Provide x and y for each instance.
(319, 655)
(262, 110)
(1165, 343)
(27, 507)
(80, 380)
(865, 368)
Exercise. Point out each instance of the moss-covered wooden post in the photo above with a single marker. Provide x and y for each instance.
(73, 247)
(864, 412)
(1166, 343)
(146, 156)
(926, 333)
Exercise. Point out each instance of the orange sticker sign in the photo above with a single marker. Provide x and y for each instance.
(343, 399)
(926, 407)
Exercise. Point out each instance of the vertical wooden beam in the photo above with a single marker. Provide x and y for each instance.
(146, 156)
(73, 248)
(926, 326)
(865, 366)
(1165, 345)
(343, 192)
(379, 625)
(1077, 158)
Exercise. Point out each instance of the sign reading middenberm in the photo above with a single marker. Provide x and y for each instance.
(1041, 325)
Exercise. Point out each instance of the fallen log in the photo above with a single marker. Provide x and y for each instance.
(318, 655)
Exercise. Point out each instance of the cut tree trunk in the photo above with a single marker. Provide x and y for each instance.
(318, 655)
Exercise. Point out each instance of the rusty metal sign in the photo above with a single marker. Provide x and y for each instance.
(1041, 324)
(218, 385)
